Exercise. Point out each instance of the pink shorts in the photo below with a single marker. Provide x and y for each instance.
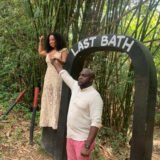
(74, 150)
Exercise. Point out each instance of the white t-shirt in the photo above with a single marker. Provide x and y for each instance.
(85, 109)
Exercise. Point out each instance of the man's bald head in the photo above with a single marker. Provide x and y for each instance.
(86, 78)
(89, 72)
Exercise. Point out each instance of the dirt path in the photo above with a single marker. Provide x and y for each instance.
(14, 141)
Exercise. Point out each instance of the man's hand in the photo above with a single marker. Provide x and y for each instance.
(58, 66)
(85, 152)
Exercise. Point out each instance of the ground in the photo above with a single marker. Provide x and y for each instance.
(156, 146)
(14, 141)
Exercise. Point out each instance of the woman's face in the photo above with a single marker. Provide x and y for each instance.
(52, 41)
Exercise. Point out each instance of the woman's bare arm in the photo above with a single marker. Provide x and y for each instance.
(41, 49)
(64, 55)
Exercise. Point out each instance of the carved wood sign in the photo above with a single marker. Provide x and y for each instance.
(117, 41)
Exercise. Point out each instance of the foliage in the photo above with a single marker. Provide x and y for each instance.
(116, 79)
(20, 62)
(109, 143)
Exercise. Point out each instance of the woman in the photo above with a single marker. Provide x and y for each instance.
(50, 102)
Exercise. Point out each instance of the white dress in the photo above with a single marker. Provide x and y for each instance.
(51, 96)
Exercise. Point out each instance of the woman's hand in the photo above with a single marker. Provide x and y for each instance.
(41, 38)
(55, 55)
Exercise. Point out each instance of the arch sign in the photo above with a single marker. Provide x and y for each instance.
(145, 93)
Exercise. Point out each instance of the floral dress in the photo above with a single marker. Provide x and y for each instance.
(51, 96)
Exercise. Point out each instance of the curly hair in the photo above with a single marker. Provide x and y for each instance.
(60, 42)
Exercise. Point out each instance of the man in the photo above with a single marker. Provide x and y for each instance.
(84, 114)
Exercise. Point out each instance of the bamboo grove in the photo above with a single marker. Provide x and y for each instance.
(78, 19)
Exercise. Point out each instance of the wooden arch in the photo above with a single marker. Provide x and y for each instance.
(145, 93)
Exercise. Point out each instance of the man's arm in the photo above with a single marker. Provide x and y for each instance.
(91, 137)
(63, 73)
(96, 107)
(57, 64)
